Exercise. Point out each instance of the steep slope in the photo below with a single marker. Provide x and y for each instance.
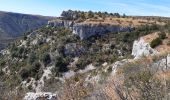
(53, 55)
(15, 24)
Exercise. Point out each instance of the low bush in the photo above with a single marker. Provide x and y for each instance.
(162, 35)
(24, 73)
(46, 59)
(155, 42)
(61, 64)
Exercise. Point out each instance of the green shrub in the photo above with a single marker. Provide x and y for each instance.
(61, 64)
(162, 35)
(155, 42)
(19, 52)
(32, 58)
(24, 73)
(82, 63)
(35, 69)
(46, 59)
(90, 14)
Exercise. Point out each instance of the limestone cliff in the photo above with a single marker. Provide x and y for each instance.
(84, 30)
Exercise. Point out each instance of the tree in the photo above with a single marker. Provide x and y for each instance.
(117, 15)
(90, 14)
(124, 16)
(82, 15)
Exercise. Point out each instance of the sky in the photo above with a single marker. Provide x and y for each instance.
(55, 7)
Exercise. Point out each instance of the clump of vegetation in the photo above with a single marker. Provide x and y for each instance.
(61, 64)
(162, 35)
(76, 15)
(31, 71)
(155, 42)
(46, 59)
(141, 78)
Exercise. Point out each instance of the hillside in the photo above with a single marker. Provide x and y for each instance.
(56, 62)
(14, 24)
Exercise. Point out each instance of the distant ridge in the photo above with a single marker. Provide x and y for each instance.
(13, 25)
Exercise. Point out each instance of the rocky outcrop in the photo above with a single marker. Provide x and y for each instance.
(141, 48)
(84, 30)
(61, 23)
(162, 64)
(40, 96)
(87, 30)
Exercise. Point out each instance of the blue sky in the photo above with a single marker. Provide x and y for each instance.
(55, 7)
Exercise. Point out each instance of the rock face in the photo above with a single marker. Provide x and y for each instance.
(61, 23)
(141, 48)
(87, 30)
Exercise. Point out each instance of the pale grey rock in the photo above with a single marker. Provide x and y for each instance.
(5, 52)
(87, 30)
(168, 60)
(141, 48)
(162, 64)
(119, 64)
(68, 74)
(87, 69)
(61, 23)
(40, 96)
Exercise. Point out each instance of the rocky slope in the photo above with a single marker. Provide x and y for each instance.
(15, 24)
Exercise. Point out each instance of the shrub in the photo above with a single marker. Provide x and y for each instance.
(19, 52)
(46, 59)
(61, 64)
(2, 63)
(35, 68)
(24, 73)
(32, 58)
(155, 42)
(90, 14)
(1, 73)
(82, 63)
(162, 35)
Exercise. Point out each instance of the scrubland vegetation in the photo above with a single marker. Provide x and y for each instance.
(57, 48)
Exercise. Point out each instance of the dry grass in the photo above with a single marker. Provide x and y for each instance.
(163, 48)
(122, 21)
